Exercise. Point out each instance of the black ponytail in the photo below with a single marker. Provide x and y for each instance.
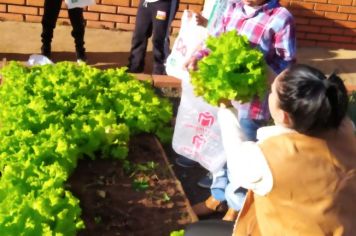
(313, 101)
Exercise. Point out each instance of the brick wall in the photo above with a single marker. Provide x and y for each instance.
(320, 23)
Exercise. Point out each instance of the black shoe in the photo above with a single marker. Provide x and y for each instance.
(46, 50)
(81, 55)
(131, 69)
(159, 70)
(186, 162)
(206, 181)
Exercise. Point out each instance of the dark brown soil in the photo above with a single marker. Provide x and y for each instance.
(111, 206)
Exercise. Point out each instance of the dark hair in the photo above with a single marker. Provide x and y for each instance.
(313, 101)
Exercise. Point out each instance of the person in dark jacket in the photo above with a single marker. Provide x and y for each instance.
(49, 19)
(153, 19)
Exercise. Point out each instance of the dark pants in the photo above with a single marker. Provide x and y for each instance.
(210, 228)
(49, 19)
(152, 19)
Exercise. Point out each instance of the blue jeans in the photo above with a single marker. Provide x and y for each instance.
(221, 189)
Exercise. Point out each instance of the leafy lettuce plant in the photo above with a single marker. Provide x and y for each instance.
(50, 117)
(233, 70)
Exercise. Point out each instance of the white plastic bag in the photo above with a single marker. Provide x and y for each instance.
(190, 38)
(79, 3)
(36, 59)
(197, 134)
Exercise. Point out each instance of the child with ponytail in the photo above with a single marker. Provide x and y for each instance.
(301, 174)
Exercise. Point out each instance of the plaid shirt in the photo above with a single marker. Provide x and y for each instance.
(270, 28)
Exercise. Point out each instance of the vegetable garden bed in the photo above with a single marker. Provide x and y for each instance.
(113, 205)
(54, 117)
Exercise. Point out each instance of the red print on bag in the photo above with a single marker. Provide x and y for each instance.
(206, 119)
(198, 141)
(181, 47)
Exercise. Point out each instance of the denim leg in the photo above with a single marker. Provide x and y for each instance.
(219, 184)
(249, 127)
(235, 197)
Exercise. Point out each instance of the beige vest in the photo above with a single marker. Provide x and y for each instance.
(314, 188)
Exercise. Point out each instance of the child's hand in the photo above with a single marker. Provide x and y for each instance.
(224, 103)
(201, 20)
(191, 64)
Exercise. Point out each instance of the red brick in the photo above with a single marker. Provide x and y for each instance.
(319, 1)
(100, 24)
(331, 30)
(347, 24)
(31, 18)
(160, 81)
(308, 28)
(63, 14)
(134, 3)
(19, 2)
(303, 5)
(123, 26)
(306, 43)
(342, 39)
(307, 13)
(178, 15)
(182, 7)
(132, 19)
(195, 8)
(321, 22)
(22, 10)
(347, 9)
(318, 36)
(350, 32)
(102, 8)
(354, 3)
(326, 7)
(132, 11)
(193, 1)
(175, 23)
(301, 21)
(328, 44)
(11, 16)
(341, 2)
(284, 3)
(319, 14)
(39, 3)
(124, 3)
(2, 8)
(114, 18)
(300, 35)
(352, 18)
(336, 16)
(91, 16)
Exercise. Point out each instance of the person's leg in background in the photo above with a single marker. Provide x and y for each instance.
(160, 19)
(142, 32)
(217, 201)
(78, 24)
(49, 19)
(172, 12)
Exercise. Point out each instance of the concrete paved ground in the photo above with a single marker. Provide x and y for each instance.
(109, 48)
